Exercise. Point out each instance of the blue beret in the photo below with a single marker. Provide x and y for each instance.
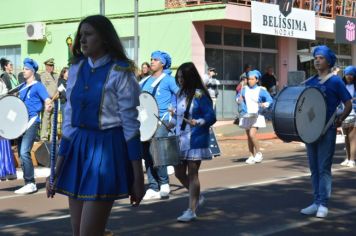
(254, 73)
(325, 52)
(163, 57)
(30, 64)
(350, 70)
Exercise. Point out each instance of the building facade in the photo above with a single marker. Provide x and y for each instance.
(209, 33)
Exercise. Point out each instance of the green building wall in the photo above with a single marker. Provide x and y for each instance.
(159, 28)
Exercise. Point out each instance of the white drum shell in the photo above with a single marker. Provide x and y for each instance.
(148, 110)
(13, 117)
(299, 114)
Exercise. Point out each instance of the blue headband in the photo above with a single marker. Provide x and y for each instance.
(350, 70)
(254, 73)
(325, 52)
(163, 57)
(30, 64)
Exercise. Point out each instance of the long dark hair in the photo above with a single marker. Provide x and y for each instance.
(4, 62)
(107, 32)
(192, 80)
(354, 80)
(64, 70)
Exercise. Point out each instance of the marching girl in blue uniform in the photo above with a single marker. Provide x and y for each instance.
(99, 159)
(252, 98)
(349, 127)
(194, 115)
(7, 165)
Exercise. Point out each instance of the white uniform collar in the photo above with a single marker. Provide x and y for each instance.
(101, 61)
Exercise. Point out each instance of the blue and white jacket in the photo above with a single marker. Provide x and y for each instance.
(250, 97)
(201, 110)
(118, 98)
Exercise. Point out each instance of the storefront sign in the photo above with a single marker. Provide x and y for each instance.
(345, 30)
(282, 20)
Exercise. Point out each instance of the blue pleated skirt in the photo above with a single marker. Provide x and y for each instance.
(7, 164)
(96, 167)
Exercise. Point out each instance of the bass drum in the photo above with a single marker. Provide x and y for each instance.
(148, 113)
(13, 117)
(299, 114)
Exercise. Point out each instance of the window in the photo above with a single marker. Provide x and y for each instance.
(232, 37)
(214, 58)
(252, 58)
(268, 60)
(252, 40)
(229, 49)
(345, 49)
(12, 53)
(129, 45)
(269, 41)
(213, 35)
(232, 65)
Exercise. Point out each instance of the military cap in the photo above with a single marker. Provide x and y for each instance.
(49, 62)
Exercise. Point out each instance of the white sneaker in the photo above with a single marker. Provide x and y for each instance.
(187, 216)
(258, 158)
(310, 210)
(250, 160)
(345, 162)
(27, 189)
(151, 195)
(165, 190)
(322, 212)
(170, 170)
(351, 164)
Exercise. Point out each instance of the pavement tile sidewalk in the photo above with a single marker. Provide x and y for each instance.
(226, 130)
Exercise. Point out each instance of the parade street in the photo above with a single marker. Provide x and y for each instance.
(241, 199)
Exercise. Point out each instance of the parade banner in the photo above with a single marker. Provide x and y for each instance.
(345, 30)
(282, 20)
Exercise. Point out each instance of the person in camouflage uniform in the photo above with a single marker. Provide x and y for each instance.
(50, 80)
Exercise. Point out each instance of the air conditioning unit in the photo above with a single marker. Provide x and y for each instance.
(35, 31)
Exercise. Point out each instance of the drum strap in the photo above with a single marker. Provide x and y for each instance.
(322, 81)
(186, 114)
(155, 84)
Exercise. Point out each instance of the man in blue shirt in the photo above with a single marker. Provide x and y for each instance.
(320, 153)
(163, 87)
(34, 95)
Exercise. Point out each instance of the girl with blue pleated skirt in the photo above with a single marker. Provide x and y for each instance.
(252, 99)
(194, 115)
(7, 165)
(99, 158)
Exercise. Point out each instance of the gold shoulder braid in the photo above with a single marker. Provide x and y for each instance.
(129, 68)
(198, 93)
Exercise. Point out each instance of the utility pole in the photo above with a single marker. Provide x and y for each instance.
(102, 7)
(136, 33)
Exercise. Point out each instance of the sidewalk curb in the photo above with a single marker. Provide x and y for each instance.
(262, 136)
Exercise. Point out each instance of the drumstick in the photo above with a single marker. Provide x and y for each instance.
(169, 130)
(53, 146)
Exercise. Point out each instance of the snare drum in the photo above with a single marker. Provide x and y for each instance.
(165, 151)
(299, 114)
(148, 113)
(13, 117)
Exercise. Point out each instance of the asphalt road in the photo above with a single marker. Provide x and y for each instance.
(241, 199)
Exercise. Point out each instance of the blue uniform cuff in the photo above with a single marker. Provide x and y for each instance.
(63, 147)
(134, 148)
